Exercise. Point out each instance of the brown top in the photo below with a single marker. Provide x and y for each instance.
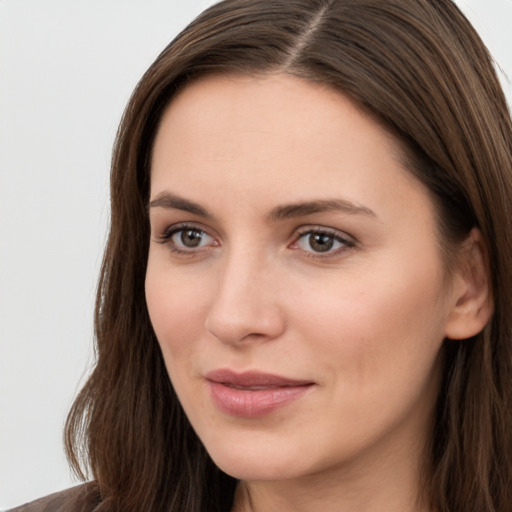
(82, 498)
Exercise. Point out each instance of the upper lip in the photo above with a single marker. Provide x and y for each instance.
(252, 378)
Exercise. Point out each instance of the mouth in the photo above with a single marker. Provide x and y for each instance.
(253, 394)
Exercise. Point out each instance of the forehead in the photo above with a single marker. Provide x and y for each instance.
(266, 103)
(267, 139)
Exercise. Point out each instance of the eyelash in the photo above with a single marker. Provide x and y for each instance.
(166, 238)
(345, 241)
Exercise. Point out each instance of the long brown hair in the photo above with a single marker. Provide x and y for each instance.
(420, 69)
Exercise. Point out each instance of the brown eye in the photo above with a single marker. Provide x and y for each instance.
(320, 242)
(190, 238)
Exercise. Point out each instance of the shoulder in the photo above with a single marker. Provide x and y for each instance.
(82, 498)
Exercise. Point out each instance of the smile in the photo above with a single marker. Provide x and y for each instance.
(253, 394)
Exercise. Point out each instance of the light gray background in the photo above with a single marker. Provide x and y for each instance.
(67, 68)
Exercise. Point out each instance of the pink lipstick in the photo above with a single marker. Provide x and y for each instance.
(252, 394)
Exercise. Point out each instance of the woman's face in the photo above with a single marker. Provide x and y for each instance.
(294, 280)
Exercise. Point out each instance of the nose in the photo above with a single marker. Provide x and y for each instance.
(245, 304)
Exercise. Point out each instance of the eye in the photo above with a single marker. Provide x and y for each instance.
(190, 238)
(186, 239)
(321, 241)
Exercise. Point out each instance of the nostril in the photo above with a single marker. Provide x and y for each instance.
(244, 325)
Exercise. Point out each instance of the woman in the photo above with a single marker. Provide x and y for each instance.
(310, 239)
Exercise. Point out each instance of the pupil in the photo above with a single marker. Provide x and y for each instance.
(191, 238)
(320, 242)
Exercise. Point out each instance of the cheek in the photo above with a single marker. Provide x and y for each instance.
(380, 326)
(177, 308)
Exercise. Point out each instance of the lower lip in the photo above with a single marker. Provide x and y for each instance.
(254, 403)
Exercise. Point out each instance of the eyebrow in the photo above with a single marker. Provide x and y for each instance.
(301, 209)
(322, 205)
(171, 201)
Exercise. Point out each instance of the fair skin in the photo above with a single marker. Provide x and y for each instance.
(346, 295)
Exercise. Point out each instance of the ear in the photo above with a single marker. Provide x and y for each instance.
(472, 299)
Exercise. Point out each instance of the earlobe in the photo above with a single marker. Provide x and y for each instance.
(472, 299)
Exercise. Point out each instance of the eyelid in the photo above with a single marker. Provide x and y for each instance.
(347, 241)
(178, 226)
(165, 238)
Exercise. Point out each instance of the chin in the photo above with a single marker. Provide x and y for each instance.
(259, 463)
(250, 470)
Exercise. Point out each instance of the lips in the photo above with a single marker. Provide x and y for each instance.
(252, 394)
